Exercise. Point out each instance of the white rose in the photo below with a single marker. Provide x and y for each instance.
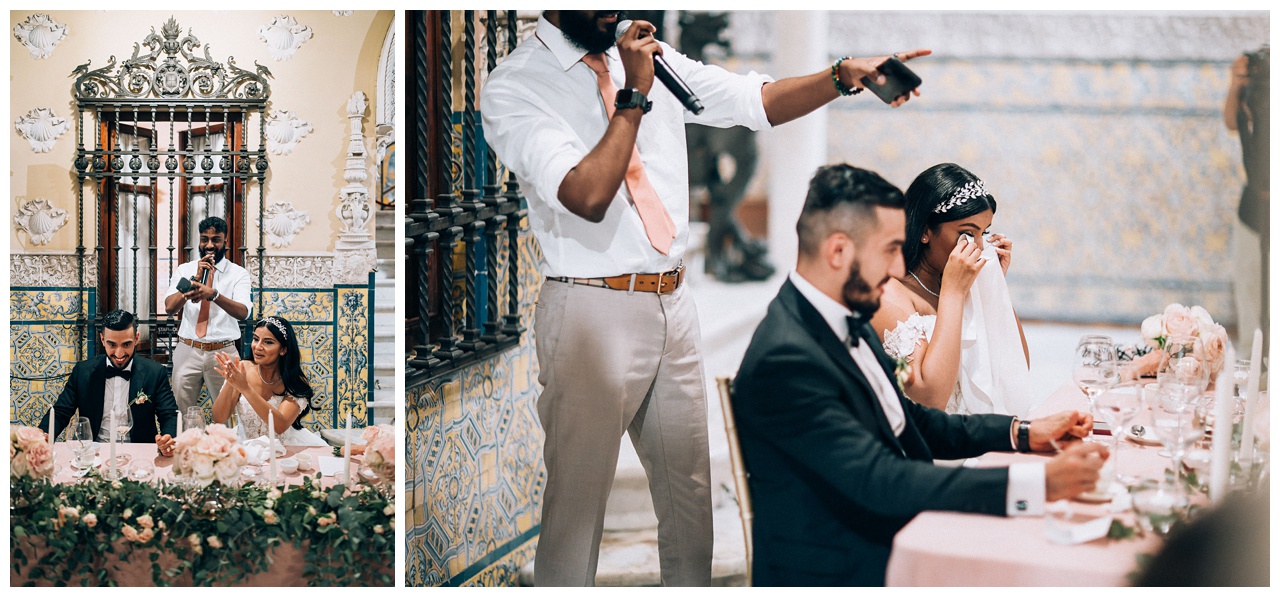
(1152, 328)
(1201, 314)
(227, 470)
(202, 467)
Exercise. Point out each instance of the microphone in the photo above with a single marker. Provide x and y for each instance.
(669, 78)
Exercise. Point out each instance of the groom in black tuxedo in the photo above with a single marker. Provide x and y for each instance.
(839, 460)
(120, 380)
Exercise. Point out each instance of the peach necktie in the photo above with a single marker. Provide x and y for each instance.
(658, 225)
(202, 322)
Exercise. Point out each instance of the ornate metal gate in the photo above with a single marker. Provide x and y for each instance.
(164, 139)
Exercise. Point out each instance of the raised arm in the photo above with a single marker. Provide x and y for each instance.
(793, 97)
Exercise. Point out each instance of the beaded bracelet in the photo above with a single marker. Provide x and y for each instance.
(835, 78)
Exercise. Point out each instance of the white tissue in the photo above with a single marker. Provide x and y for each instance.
(993, 375)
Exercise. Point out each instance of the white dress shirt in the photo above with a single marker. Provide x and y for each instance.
(115, 401)
(1026, 479)
(543, 113)
(231, 281)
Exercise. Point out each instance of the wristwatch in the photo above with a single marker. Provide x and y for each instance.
(631, 98)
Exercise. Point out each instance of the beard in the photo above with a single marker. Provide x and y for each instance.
(859, 296)
(584, 33)
(218, 254)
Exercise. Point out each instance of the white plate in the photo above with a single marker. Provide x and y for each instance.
(1148, 439)
(1094, 497)
(80, 472)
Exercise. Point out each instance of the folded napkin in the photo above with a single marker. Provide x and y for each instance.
(993, 374)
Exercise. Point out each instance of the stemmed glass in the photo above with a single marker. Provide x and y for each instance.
(123, 425)
(1118, 409)
(1096, 369)
(1181, 365)
(1177, 431)
(82, 438)
(193, 418)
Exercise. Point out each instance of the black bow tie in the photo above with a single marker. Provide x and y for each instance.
(113, 372)
(857, 328)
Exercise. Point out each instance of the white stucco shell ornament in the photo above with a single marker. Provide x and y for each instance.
(41, 128)
(284, 36)
(40, 34)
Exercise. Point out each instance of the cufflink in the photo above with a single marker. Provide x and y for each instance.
(1021, 505)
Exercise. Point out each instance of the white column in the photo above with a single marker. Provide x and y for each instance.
(794, 150)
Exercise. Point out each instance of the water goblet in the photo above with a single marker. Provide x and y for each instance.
(1157, 505)
(1118, 408)
(1096, 367)
(1177, 431)
(193, 418)
(141, 470)
(123, 425)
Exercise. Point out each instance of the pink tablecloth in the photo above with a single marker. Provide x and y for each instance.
(951, 549)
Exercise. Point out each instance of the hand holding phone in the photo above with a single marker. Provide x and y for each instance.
(899, 81)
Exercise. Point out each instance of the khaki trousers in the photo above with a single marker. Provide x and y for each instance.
(191, 369)
(1246, 257)
(612, 362)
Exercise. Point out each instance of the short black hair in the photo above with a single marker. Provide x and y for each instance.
(219, 225)
(926, 193)
(843, 198)
(119, 320)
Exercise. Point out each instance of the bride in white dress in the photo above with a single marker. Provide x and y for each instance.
(949, 318)
(273, 382)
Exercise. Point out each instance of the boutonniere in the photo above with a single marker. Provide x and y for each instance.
(141, 398)
(902, 373)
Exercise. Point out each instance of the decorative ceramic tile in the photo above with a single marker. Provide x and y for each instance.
(474, 463)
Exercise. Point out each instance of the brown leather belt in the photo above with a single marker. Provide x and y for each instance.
(206, 345)
(664, 283)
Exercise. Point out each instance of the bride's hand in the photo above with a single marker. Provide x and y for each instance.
(232, 369)
(962, 268)
(1004, 249)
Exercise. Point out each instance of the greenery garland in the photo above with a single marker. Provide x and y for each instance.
(219, 535)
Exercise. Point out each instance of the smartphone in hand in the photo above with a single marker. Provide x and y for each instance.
(899, 81)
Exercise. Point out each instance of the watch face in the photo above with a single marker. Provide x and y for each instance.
(627, 97)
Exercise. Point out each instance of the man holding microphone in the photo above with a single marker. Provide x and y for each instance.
(599, 152)
(213, 295)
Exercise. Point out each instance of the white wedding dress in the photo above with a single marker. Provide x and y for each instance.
(994, 377)
(252, 426)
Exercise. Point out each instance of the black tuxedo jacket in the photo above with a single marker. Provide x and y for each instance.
(829, 482)
(87, 385)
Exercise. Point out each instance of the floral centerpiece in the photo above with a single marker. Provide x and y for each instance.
(207, 455)
(1208, 339)
(380, 451)
(29, 453)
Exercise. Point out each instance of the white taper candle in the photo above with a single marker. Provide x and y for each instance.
(346, 458)
(1219, 463)
(1251, 398)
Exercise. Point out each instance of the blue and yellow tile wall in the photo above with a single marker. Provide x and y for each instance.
(334, 328)
(474, 462)
(1116, 180)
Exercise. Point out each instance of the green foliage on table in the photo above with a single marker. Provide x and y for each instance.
(218, 534)
(1120, 530)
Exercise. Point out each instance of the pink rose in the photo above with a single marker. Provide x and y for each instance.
(1187, 369)
(1201, 315)
(129, 533)
(18, 466)
(30, 436)
(40, 460)
(145, 521)
(1178, 321)
(1212, 348)
(269, 517)
(90, 520)
(146, 535)
(214, 542)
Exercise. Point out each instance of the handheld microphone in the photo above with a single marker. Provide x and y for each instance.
(669, 78)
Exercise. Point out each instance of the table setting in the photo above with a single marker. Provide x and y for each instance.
(1164, 414)
(221, 511)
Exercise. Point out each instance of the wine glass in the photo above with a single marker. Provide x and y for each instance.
(1118, 409)
(1240, 380)
(193, 418)
(1096, 369)
(1181, 365)
(1177, 431)
(123, 425)
(141, 470)
(82, 439)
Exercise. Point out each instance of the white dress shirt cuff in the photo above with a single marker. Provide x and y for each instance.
(1026, 489)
